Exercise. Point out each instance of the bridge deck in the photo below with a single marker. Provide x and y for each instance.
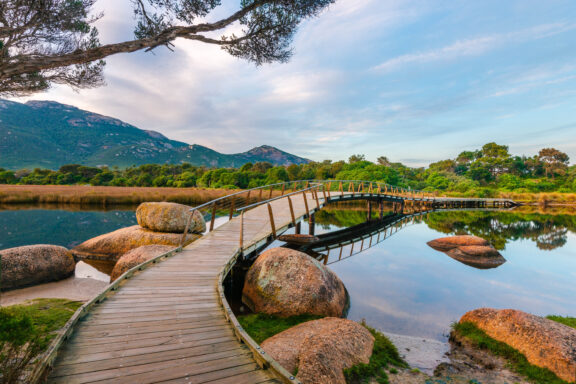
(165, 325)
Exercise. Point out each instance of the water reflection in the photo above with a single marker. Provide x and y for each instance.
(402, 286)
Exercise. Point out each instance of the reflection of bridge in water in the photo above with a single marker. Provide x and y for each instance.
(344, 243)
(168, 320)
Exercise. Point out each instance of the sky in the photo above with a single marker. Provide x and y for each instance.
(414, 80)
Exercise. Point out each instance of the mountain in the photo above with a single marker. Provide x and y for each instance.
(47, 134)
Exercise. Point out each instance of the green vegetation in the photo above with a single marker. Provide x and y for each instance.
(26, 330)
(384, 355)
(261, 326)
(545, 230)
(488, 172)
(569, 321)
(517, 361)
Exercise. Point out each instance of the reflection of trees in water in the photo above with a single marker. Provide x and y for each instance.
(547, 231)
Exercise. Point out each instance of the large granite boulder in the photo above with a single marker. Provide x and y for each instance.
(136, 257)
(285, 282)
(447, 243)
(544, 342)
(321, 349)
(169, 217)
(34, 264)
(111, 246)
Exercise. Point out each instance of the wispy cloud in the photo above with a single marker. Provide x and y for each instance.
(475, 46)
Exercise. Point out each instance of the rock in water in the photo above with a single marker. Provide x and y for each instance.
(34, 264)
(137, 256)
(321, 349)
(477, 256)
(285, 282)
(298, 239)
(169, 217)
(111, 246)
(448, 243)
(544, 342)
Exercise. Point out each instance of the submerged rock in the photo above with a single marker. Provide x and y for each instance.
(34, 264)
(285, 282)
(169, 217)
(321, 349)
(481, 257)
(137, 256)
(111, 246)
(298, 239)
(470, 250)
(447, 243)
(544, 342)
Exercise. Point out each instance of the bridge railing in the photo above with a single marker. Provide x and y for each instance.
(223, 209)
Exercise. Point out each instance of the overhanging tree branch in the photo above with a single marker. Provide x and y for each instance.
(47, 38)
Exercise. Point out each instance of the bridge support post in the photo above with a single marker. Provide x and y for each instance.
(311, 224)
(381, 209)
(369, 216)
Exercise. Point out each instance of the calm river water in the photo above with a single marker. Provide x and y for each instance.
(399, 285)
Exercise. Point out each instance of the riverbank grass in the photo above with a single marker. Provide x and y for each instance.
(384, 355)
(261, 326)
(517, 361)
(569, 321)
(25, 332)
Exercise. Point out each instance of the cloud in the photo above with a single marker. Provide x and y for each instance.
(475, 47)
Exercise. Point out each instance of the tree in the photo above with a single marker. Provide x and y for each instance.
(383, 160)
(554, 161)
(356, 158)
(55, 41)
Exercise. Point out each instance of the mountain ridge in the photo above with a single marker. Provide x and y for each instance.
(48, 134)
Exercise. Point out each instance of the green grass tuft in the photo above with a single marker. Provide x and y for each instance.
(384, 354)
(261, 326)
(516, 360)
(46, 315)
(569, 321)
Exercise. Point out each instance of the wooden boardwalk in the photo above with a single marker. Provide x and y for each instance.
(165, 324)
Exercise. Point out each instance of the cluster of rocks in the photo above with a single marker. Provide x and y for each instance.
(161, 228)
(286, 282)
(470, 250)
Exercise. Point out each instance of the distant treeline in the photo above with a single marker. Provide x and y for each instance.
(484, 172)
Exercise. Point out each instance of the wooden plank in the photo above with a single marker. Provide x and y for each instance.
(127, 371)
(128, 361)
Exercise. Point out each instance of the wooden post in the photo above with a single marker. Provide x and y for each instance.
(311, 224)
(183, 239)
(248, 197)
(270, 194)
(298, 229)
(379, 189)
(291, 210)
(260, 194)
(213, 217)
(272, 226)
(242, 231)
(341, 188)
(306, 202)
(350, 187)
(361, 186)
(283, 186)
(295, 186)
(324, 193)
(231, 214)
(329, 187)
(316, 194)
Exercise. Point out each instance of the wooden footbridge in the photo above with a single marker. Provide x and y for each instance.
(168, 320)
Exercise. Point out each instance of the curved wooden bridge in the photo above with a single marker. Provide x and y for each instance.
(171, 323)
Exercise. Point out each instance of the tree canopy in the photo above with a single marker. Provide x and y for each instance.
(43, 42)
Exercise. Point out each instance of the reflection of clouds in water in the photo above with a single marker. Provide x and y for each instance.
(84, 271)
(403, 286)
